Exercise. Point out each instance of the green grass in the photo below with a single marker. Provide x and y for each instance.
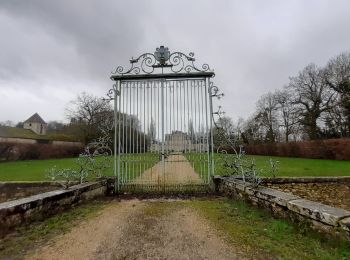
(299, 167)
(7, 131)
(27, 237)
(36, 170)
(32, 170)
(199, 162)
(133, 166)
(257, 233)
(293, 167)
(288, 167)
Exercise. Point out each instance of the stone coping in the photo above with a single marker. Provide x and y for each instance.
(29, 183)
(52, 195)
(17, 212)
(325, 179)
(319, 212)
(308, 179)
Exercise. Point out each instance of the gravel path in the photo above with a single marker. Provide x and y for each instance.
(177, 170)
(136, 229)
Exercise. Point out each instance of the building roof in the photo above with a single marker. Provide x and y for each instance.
(14, 132)
(35, 119)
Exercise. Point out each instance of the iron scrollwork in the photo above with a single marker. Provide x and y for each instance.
(147, 63)
(112, 93)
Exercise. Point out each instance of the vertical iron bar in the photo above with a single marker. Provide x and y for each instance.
(207, 129)
(116, 182)
(119, 139)
(144, 128)
(137, 130)
(162, 118)
(199, 128)
(211, 128)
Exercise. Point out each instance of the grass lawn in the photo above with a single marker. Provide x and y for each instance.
(297, 167)
(257, 233)
(290, 167)
(36, 170)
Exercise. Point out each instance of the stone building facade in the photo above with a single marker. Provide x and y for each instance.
(179, 141)
(36, 124)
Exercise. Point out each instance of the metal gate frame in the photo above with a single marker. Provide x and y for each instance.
(163, 67)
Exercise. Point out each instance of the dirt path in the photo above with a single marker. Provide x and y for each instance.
(140, 230)
(177, 170)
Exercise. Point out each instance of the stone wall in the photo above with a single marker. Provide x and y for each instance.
(34, 141)
(67, 143)
(37, 128)
(17, 140)
(287, 205)
(21, 211)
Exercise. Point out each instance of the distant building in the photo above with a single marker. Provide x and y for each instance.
(179, 141)
(36, 124)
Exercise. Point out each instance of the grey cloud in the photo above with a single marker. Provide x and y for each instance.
(70, 46)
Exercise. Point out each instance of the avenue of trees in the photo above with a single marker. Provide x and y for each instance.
(315, 104)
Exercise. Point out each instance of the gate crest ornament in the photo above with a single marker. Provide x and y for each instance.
(175, 62)
(162, 55)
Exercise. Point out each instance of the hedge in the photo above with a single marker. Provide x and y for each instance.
(334, 149)
(18, 151)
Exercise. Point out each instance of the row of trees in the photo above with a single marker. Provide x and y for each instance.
(315, 104)
(92, 117)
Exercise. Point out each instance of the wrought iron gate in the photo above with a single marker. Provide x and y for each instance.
(163, 120)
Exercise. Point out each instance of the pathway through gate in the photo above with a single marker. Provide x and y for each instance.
(163, 122)
(178, 170)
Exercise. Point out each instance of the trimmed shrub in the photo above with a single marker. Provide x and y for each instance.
(19, 151)
(334, 149)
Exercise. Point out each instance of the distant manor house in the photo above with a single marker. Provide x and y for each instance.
(179, 141)
(36, 124)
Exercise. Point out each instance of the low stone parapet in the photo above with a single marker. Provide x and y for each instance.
(17, 212)
(318, 215)
(326, 179)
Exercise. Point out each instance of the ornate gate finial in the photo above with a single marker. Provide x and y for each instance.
(162, 55)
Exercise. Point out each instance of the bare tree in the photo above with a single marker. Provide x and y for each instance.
(267, 116)
(251, 131)
(287, 112)
(337, 76)
(222, 131)
(55, 127)
(312, 98)
(191, 132)
(335, 122)
(86, 113)
(7, 123)
(152, 130)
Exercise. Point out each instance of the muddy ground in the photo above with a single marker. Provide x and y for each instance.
(333, 194)
(14, 191)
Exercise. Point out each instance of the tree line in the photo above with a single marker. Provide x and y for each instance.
(314, 104)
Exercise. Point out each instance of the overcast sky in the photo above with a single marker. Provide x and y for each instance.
(52, 50)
